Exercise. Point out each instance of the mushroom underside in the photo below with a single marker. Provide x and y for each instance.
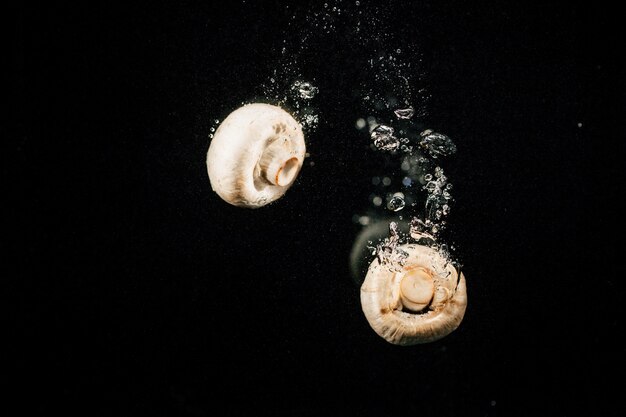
(419, 302)
(255, 155)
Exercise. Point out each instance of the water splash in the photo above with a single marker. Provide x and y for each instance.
(392, 92)
(387, 251)
(420, 231)
(438, 195)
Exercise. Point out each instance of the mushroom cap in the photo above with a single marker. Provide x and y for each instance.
(255, 155)
(422, 303)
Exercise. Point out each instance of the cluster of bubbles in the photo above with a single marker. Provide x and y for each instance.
(391, 91)
(418, 154)
(388, 252)
(438, 195)
(304, 89)
(436, 144)
(213, 128)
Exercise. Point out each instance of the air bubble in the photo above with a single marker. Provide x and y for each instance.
(396, 203)
(405, 113)
(437, 144)
(383, 138)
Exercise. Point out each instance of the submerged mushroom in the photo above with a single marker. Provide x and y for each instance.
(420, 301)
(255, 155)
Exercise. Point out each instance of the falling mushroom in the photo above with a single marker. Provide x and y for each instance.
(255, 155)
(420, 301)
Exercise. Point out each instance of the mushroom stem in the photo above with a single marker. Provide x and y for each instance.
(278, 165)
(416, 289)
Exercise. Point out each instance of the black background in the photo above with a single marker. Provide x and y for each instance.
(140, 292)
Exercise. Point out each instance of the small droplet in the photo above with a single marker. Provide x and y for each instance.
(386, 181)
(358, 3)
(375, 180)
(212, 129)
(406, 181)
(428, 177)
(360, 123)
(377, 201)
(217, 121)
(398, 50)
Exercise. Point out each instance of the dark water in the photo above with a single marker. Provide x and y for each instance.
(139, 292)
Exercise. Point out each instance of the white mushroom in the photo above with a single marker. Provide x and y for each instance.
(255, 155)
(421, 303)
